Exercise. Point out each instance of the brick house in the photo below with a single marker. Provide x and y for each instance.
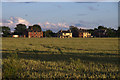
(34, 33)
(84, 34)
(65, 34)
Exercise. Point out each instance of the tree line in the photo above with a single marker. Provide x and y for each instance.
(100, 31)
(21, 29)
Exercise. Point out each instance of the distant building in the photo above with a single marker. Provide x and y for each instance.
(15, 36)
(34, 33)
(65, 34)
(84, 34)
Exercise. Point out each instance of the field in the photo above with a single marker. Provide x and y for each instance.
(60, 58)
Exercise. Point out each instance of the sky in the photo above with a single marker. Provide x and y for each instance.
(60, 15)
(59, 0)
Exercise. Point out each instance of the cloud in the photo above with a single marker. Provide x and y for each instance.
(13, 21)
(0, 24)
(54, 26)
(79, 25)
(60, 0)
(47, 23)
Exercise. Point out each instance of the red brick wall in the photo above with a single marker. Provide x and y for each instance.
(81, 35)
(35, 34)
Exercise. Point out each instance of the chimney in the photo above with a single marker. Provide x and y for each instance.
(61, 30)
(69, 30)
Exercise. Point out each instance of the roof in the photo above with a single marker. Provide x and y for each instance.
(65, 31)
(34, 29)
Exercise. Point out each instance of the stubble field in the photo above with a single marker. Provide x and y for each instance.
(60, 58)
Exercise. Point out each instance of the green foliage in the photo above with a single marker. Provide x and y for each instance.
(102, 31)
(20, 29)
(49, 33)
(118, 32)
(111, 32)
(102, 27)
(35, 27)
(6, 31)
(74, 30)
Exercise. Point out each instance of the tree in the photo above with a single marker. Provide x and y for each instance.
(49, 33)
(91, 31)
(20, 29)
(111, 32)
(102, 27)
(74, 30)
(6, 31)
(37, 27)
(118, 32)
(104, 32)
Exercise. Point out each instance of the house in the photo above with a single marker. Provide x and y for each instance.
(84, 34)
(65, 34)
(34, 33)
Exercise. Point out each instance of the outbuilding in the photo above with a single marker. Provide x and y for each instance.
(15, 36)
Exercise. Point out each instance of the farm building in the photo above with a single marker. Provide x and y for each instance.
(15, 36)
(34, 32)
(65, 34)
(84, 34)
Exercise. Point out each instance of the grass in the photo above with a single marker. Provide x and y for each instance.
(60, 58)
